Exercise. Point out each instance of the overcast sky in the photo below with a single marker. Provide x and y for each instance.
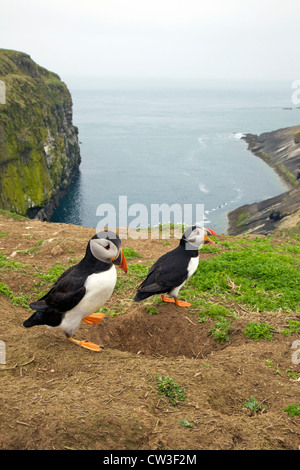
(165, 39)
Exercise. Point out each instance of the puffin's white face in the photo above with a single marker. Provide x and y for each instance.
(104, 250)
(197, 237)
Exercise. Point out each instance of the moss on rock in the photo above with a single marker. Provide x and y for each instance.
(39, 149)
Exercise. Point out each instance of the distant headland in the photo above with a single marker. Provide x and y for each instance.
(280, 149)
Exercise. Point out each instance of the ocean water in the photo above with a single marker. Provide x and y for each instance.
(179, 146)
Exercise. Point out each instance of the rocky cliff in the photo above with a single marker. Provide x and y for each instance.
(281, 150)
(39, 149)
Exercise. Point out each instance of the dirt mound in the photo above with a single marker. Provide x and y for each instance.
(55, 395)
(171, 333)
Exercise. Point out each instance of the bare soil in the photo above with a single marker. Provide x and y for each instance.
(56, 395)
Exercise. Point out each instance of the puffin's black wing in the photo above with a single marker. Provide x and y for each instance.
(167, 272)
(65, 294)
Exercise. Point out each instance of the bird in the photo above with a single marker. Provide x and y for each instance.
(82, 289)
(171, 271)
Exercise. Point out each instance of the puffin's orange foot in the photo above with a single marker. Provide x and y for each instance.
(179, 303)
(167, 299)
(182, 303)
(86, 344)
(94, 318)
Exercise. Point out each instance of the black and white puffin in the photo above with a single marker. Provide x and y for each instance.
(171, 271)
(82, 289)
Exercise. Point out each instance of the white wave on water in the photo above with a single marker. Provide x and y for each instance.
(239, 195)
(201, 141)
(239, 135)
(203, 188)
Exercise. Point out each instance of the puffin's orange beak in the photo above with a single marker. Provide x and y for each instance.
(123, 264)
(120, 261)
(211, 231)
(208, 241)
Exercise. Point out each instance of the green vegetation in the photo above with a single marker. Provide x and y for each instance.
(170, 389)
(297, 137)
(152, 310)
(258, 331)
(221, 330)
(292, 410)
(254, 271)
(253, 405)
(16, 300)
(52, 274)
(130, 254)
(39, 148)
(185, 423)
(293, 327)
(242, 219)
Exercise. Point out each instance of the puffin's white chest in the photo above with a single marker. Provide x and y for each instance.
(192, 267)
(99, 288)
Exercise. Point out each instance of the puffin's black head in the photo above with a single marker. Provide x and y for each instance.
(106, 246)
(194, 237)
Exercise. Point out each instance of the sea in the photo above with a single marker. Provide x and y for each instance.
(172, 152)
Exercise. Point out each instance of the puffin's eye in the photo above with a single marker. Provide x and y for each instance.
(107, 247)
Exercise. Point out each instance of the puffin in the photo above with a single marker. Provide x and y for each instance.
(82, 289)
(171, 271)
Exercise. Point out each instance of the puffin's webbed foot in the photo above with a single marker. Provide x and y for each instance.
(86, 344)
(179, 303)
(94, 318)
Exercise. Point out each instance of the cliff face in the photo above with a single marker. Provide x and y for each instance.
(39, 149)
(281, 151)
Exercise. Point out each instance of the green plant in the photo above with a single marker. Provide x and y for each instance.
(152, 310)
(130, 254)
(220, 331)
(33, 249)
(258, 331)
(253, 405)
(185, 423)
(293, 327)
(52, 274)
(170, 389)
(292, 410)
(14, 299)
(297, 137)
(294, 375)
(269, 363)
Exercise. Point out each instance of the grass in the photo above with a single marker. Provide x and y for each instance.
(292, 410)
(17, 300)
(256, 272)
(130, 254)
(170, 389)
(258, 331)
(220, 331)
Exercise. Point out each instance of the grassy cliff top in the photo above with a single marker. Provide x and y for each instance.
(25, 81)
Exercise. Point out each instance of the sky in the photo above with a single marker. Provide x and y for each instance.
(103, 41)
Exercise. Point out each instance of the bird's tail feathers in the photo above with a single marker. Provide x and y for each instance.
(35, 319)
(141, 296)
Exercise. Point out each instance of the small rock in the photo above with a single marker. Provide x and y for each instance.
(56, 251)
